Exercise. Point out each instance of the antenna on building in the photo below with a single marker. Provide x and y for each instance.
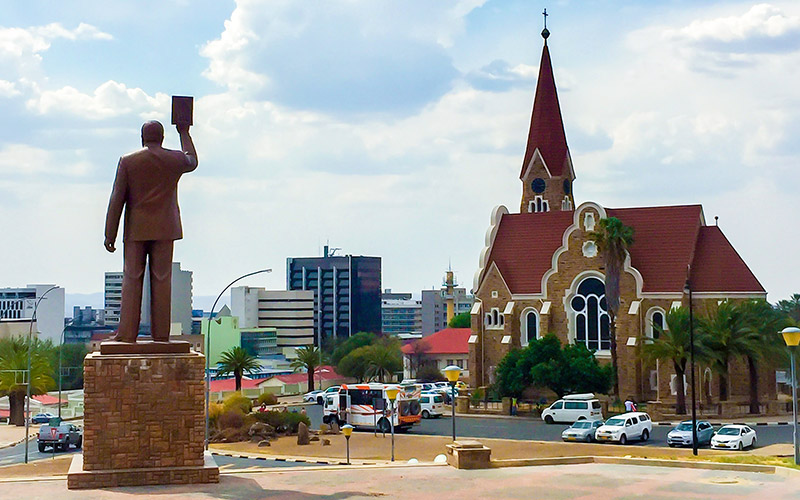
(716, 220)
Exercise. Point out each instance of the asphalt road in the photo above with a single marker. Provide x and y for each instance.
(16, 454)
(523, 428)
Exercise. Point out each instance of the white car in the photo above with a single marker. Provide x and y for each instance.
(623, 428)
(311, 397)
(573, 408)
(733, 437)
(432, 404)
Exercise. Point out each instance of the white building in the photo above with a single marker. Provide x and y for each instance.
(291, 313)
(19, 304)
(113, 298)
(401, 315)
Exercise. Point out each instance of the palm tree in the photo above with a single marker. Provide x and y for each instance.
(674, 344)
(384, 359)
(13, 365)
(308, 358)
(613, 238)
(766, 322)
(728, 336)
(791, 307)
(237, 361)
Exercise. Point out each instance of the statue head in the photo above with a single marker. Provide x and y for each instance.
(152, 132)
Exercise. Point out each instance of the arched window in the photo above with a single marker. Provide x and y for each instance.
(655, 322)
(591, 315)
(528, 326)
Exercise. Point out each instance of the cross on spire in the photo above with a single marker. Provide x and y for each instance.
(545, 31)
(545, 18)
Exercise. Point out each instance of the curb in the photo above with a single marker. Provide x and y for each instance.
(288, 460)
(15, 443)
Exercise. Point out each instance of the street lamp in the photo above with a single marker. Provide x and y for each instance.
(347, 430)
(452, 373)
(61, 348)
(391, 393)
(208, 338)
(28, 399)
(791, 335)
(687, 289)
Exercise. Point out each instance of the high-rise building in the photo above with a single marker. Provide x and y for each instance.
(347, 292)
(439, 306)
(19, 304)
(290, 313)
(400, 314)
(181, 299)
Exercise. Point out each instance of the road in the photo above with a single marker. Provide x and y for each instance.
(534, 429)
(16, 454)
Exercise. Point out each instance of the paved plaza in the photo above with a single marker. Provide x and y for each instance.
(588, 481)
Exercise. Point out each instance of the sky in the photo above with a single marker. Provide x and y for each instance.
(389, 128)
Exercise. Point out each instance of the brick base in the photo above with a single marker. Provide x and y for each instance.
(78, 478)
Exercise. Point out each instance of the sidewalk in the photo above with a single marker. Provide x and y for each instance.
(11, 435)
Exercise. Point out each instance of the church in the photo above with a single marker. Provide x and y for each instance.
(541, 273)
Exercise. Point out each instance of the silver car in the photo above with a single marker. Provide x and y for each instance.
(682, 434)
(582, 430)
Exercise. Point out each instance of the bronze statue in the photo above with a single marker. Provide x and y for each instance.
(146, 184)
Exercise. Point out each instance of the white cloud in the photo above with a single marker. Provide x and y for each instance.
(23, 44)
(108, 100)
(8, 89)
(24, 161)
(761, 21)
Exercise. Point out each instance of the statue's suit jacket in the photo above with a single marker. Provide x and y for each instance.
(147, 185)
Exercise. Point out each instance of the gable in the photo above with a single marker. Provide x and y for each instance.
(717, 267)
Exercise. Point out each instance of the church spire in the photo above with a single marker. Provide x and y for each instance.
(547, 127)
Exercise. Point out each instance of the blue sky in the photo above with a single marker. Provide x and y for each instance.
(389, 128)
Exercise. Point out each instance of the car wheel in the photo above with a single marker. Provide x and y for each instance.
(741, 446)
(753, 444)
(548, 419)
(79, 443)
(671, 445)
(41, 448)
(581, 418)
(588, 438)
(645, 435)
(426, 414)
(623, 439)
(326, 419)
(384, 425)
(319, 400)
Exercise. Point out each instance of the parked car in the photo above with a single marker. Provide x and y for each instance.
(573, 408)
(582, 430)
(312, 397)
(42, 418)
(682, 434)
(432, 404)
(623, 428)
(334, 389)
(733, 437)
(59, 437)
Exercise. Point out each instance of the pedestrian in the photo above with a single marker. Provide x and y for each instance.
(630, 405)
(303, 411)
(513, 406)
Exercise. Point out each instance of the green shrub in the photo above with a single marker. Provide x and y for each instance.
(282, 420)
(236, 400)
(231, 419)
(477, 396)
(268, 399)
(214, 412)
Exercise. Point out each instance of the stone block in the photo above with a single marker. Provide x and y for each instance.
(468, 454)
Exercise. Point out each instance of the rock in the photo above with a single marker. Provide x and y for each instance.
(326, 442)
(263, 443)
(261, 429)
(324, 428)
(302, 434)
(256, 439)
(314, 438)
(334, 428)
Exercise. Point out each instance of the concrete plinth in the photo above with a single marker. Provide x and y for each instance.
(144, 421)
(468, 454)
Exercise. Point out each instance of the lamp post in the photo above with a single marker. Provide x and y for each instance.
(28, 398)
(791, 335)
(208, 338)
(347, 430)
(452, 373)
(687, 288)
(391, 393)
(61, 348)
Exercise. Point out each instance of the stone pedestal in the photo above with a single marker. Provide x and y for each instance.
(468, 454)
(144, 421)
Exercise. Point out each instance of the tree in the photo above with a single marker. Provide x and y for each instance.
(728, 336)
(674, 345)
(355, 364)
(418, 357)
(384, 359)
(237, 361)
(352, 343)
(308, 358)
(72, 356)
(429, 373)
(513, 373)
(613, 238)
(791, 307)
(462, 320)
(13, 363)
(766, 322)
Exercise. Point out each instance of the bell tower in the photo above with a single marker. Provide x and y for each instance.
(547, 173)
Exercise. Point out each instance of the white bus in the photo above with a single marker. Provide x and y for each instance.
(355, 405)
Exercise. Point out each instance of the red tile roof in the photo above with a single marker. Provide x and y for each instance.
(320, 373)
(447, 341)
(47, 399)
(666, 241)
(718, 267)
(547, 127)
(229, 384)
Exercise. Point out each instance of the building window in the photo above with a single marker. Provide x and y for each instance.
(591, 315)
(529, 326)
(494, 319)
(538, 204)
(655, 322)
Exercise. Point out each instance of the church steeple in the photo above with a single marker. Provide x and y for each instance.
(547, 173)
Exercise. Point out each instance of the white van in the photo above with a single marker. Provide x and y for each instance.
(572, 408)
(432, 404)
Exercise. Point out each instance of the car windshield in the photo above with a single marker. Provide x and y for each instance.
(686, 426)
(582, 425)
(728, 431)
(615, 422)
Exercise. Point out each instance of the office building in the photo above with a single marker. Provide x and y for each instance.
(289, 313)
(18, 304)
(400, 314)
(347, 292)
(438, 306)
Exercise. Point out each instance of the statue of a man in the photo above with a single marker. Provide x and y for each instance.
(147, 186)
